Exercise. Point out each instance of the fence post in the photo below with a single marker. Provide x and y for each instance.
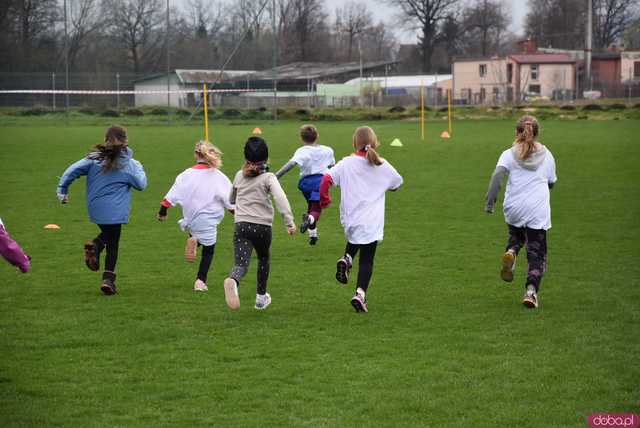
(53, 87)
(118, 91)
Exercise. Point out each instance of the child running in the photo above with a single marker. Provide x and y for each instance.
(363, 178)
(252, 188)
(314, 161)
(111, 173)
(527, 211)
(203, 192)
(11, 251)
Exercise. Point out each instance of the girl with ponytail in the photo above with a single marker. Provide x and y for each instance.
(203, 193)
(527, 211)
(364, 179)
(111, 174)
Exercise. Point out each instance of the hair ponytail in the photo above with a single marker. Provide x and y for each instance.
(254, 169)
(366, 140)
(115, 141)
(209, 153)
(527, 130)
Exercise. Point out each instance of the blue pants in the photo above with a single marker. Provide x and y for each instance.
(309, 185)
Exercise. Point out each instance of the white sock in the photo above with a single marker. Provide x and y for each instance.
(311, 219)
(313, 233)
(360, 291)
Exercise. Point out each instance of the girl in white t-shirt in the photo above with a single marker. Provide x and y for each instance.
(527, 210)
(363, 178)
(203, 192)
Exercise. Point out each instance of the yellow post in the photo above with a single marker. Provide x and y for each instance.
(206, 114)
(422, 110)
(450, 111)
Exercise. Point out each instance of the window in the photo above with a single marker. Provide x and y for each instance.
(534, 89)
(509, 73)
(534, 72)
(483, 94)
(636, 69)
(483, 70)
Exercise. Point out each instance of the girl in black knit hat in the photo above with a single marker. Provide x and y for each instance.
(253, 186)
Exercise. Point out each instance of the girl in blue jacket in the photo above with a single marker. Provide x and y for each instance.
(111, 173)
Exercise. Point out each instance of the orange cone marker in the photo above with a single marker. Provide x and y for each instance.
(51, 226)
(445, 134)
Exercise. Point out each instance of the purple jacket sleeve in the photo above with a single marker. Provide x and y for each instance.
(12, 252)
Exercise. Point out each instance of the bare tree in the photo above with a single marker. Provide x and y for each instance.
(429, 15)
(611, 19)
(484, 23)
(557, 23)
(352, 20)
(83, 16)
(133, 24)
(302, 22)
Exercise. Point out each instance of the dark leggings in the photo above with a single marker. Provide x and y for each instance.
(205, 261)
(365, 264)
(536, 242)
(246, 237)
(314, 210)
(110, 238)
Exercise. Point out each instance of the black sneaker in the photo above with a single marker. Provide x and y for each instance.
(342, 269)
(306, 222)
(108, 287)
(313, 240)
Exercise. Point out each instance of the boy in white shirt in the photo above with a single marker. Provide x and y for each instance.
(203, 192)
(363, 178)
(314, 161)
(527, 210)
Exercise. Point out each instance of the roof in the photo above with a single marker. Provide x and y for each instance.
(314, 70)
(404, 81)
(543, 58)
(209, 76)
(197, 76)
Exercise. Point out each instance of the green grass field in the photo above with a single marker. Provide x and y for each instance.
(445, 343)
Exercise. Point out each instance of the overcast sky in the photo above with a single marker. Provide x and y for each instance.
(384, 12)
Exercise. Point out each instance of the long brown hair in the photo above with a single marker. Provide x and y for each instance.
(254, 169)
(209, 153)
(527, 130)
(365, 139)
(115, 141)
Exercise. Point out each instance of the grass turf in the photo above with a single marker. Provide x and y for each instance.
(446, 342)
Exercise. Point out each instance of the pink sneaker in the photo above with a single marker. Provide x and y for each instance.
(191, 249)
(200, 286)
(231, 293)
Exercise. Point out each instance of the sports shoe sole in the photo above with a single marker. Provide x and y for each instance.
(305, 223)
(91, 256)
(530, 303)
(190, 249)
(508, 263)
(358, 305)
(107, 290)
(231, 294)
(342, 271)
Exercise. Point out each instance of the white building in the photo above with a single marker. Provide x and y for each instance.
(180, 80)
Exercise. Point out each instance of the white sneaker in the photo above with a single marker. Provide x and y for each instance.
(231, 293)
(200, 286)
(262, 301)
(530, 299)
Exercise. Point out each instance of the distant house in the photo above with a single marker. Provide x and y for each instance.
(181, 80)
(516, 77)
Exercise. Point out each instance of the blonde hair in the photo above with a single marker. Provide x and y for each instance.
(365, 139)
(527, 130)
(209, 153)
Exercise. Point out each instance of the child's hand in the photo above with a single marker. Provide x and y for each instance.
(64, 199)
(291, 229)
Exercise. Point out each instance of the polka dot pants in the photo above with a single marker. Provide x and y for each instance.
(246, 237)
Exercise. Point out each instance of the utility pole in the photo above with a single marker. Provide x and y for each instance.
(589, 79)
(275, 60)
(66, 62)
(168, 70)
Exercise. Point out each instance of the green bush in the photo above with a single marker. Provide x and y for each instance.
(583, 117)
(35, 111)
(183, 112)
(88, 110)
(302, 112)
(159, 111)
(397, 109)
(617, 106)
(567, 107)
(592, 107)
(231, 112)
(109, 113)
(134, 112)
